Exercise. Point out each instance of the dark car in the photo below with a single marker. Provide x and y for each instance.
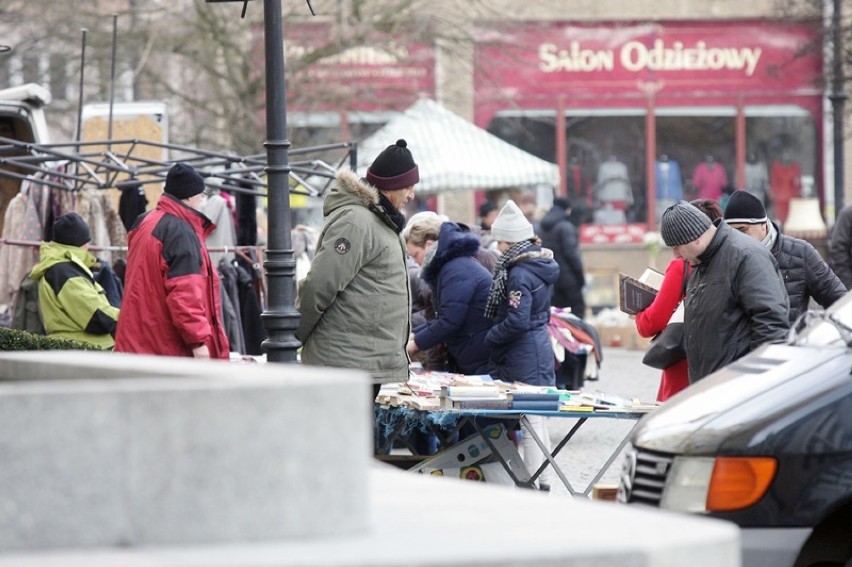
(765, 442)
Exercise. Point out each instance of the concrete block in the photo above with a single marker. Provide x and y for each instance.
(169, 451)
(421, 520)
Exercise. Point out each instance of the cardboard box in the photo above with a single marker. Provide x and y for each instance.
(627, 337)
(606, 492)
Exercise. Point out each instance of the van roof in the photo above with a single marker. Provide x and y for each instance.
(30, 93)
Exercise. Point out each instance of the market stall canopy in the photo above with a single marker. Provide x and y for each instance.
(454, 154)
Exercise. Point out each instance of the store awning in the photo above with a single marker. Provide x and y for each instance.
(454, 154)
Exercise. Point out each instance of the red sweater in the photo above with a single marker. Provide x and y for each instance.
(654, 319)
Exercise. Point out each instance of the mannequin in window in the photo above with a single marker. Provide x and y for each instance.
(784, 184)
(613, 194)
(709, 179)
(579, 192)
(669, 184)
(756, 178)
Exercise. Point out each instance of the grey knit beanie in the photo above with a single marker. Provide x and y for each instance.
(682, 223)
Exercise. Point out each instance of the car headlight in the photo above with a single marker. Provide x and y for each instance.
(708, 484)
(687, 484)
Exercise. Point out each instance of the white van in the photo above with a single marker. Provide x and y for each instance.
(21, 120)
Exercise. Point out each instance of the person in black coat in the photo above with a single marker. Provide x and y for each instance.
(559, 234)
(735, 297)
(805, 273)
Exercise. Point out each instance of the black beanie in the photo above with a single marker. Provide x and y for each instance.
(486, 207)
(682, 223)
(744, 208)
(183, 182)
(70, 229)
(562, 203)
(394, 168)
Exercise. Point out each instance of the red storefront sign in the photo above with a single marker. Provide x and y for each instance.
(592, 66)
(378, 74)
(631, 233)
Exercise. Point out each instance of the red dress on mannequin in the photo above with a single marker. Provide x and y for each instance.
(654, 319)
(784, 184)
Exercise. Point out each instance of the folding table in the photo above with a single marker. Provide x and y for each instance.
(396, 422)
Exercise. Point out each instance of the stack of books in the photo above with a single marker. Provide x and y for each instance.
(474, 397)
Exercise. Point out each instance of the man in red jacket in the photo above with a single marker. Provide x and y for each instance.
(171, 303)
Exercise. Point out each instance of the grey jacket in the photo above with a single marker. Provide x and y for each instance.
(355, 301)
(735, 302)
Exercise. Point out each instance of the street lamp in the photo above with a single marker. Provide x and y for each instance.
(280, 319)
(838, 99)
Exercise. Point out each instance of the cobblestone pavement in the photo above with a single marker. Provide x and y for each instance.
(622, 373)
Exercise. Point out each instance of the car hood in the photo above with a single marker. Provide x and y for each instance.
(726, 412)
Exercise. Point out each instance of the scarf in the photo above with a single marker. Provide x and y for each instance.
(392, 212)
(771, 235)
(501, 276)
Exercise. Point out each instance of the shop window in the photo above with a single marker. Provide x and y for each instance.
(606, 161)
(781, 159)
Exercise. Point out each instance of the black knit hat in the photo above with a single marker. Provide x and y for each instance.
(744, 208)
(486, 207)
(394, 168)
(682, 223)
(71, 229)
(562, 203)
(183, 181)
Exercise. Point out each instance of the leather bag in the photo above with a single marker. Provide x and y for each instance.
(666, 348)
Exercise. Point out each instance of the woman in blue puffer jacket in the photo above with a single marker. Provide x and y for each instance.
(460, 286)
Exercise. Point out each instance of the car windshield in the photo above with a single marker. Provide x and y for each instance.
(831, 327)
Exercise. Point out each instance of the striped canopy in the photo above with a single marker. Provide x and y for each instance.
(456, 155)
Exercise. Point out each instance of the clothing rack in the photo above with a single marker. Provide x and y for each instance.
(225, 249)
(120, 164)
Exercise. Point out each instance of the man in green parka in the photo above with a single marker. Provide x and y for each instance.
(73, 305)
(355, 302)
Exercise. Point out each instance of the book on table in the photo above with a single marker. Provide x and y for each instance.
(636, 294)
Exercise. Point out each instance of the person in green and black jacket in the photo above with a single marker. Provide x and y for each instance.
(73, 305)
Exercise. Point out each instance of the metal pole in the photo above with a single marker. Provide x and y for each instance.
(838, 99)
(651, 162)
(79, 134)
(112, 74)
(280, 317)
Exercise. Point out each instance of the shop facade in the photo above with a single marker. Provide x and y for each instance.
(639, 115)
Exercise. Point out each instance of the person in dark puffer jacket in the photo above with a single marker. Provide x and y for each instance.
(460, 287)
(519, 301)
(806, 275)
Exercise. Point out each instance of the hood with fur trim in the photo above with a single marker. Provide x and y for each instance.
(352, 190)
(452, 243)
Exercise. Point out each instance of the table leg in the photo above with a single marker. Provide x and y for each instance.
(609, 461)
(547, 455)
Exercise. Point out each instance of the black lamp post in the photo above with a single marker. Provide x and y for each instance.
(838, 99)
(280, 317)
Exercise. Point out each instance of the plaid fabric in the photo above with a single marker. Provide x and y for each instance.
(501, 277)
